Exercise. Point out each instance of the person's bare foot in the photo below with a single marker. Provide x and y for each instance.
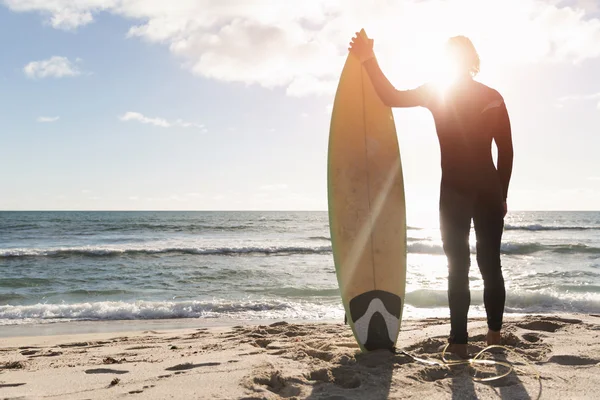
(493, 337)
(459, 350)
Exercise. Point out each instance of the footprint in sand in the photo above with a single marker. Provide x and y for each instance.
(548, 324)
(565, 320)
(273, 381)
(532, 337)
(111, 360)
(187, 366)
(344, 377)
(320, 375)
(13, 365)
(252, 398)
(278, 352)
(263, 342)
(9, 385)
(77, 344)
(48, 354)
(142, 347)
(432, 374)
(543, 326)
(321, 355)
(573, 360)
(105, 371)
(196, 335)
(250, 353)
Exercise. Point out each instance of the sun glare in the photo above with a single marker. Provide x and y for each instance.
(429, 61)
(445, 72)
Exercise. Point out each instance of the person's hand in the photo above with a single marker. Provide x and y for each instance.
(362, 47)
(505, 209)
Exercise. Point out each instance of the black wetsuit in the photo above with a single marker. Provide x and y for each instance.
(468, 116)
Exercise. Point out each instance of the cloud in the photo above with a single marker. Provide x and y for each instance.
(135, 116)
(161, 122)
(583, 97)
(48, 119)
(302, 48)
(590, 6)
(54, 67)
(62, 14)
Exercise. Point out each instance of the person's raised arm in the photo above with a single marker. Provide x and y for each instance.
(362, 47)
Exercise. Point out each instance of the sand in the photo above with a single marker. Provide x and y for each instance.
(303, 361)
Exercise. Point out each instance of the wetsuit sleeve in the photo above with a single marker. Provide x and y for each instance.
(388, 94)
(497, 115)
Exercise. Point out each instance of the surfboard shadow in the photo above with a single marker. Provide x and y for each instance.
(369, 376)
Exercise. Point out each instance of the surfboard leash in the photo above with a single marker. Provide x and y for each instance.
(478, 360)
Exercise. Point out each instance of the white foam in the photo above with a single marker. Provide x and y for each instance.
(516, 301)
(139, 310)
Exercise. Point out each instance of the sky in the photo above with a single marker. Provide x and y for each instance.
(226, 104)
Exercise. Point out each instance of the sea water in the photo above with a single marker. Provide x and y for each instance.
(63, 266)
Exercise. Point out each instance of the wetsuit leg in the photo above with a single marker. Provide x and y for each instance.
(455, 223)
(489, 224)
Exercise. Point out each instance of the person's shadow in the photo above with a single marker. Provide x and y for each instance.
(508, 387)
(369, 375)
(463, 387)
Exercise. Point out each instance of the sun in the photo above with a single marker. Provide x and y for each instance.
(444, 74)
(439, 58)
(445, 69)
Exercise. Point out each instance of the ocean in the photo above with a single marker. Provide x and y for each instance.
(66, 266)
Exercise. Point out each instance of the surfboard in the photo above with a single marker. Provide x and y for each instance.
(367, 212)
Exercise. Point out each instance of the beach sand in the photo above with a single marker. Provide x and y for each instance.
(304, 361)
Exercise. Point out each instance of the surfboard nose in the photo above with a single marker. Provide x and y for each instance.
(376, 318)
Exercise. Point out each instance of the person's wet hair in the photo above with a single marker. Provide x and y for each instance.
(463, 54)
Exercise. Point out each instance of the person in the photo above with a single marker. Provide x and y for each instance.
(468, 115)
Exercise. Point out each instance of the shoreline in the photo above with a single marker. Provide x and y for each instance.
(75, 327)
(83, 327)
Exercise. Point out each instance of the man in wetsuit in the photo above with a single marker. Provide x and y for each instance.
(468, 116)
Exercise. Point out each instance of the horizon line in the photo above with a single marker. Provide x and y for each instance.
(249, 210)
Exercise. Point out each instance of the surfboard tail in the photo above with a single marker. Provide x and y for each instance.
(376, 317)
